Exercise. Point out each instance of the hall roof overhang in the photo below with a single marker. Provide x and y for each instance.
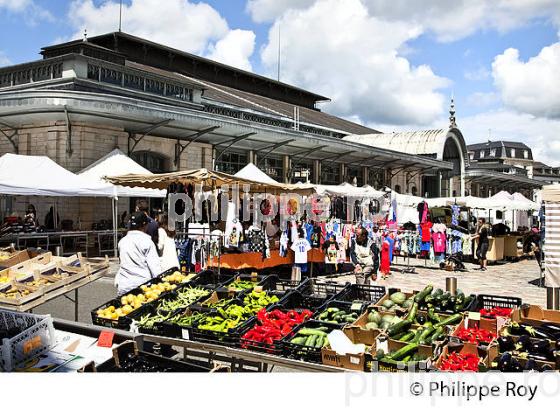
(135, 115)
(485, 176)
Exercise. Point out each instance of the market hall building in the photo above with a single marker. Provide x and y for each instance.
(170, 110)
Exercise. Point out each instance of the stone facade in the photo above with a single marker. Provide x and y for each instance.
(89, 143)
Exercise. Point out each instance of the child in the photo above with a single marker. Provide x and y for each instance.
(300, 248)
(330, 247)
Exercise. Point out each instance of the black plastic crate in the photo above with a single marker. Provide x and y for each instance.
(122, 322)
(212, 277)
(321, 289)
(296, 300)
(306, 353)
(177, 331)
(276, 348)
(345, 306)
(230, 338)
(491, 301)
(257, 280)
(363, 293)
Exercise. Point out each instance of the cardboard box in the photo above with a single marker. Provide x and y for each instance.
(481, 353)
(387, 296)
(350, 361)
(392, 346)
(494, 354)
(535, 315)
(492, 325)
(358, 327)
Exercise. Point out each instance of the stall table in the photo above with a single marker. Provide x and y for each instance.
(254, 260)
(495, 248)
(63, 291)
(510, 246)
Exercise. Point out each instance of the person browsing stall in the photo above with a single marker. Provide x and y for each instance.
(152, 229)
(482, 232)
(139, 259)
(362, 256)
(166, 245)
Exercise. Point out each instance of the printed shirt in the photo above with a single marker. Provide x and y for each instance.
(300, 248)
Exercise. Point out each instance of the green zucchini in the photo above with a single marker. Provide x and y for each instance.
(407, 337)
(403, 352)
(451, 320)
(311, 332)
(437, 292)
(397, 328)
(435, 336)
(310, 342)
(420, 296)
(425, 335)
(411, 316)
(320, 341)
(434, 317)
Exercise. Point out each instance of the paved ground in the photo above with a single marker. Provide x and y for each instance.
(513, 279)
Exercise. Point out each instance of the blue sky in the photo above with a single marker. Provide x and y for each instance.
(388, 64)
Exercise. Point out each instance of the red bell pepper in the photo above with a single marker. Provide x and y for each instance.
(495, 311)
(475, 335)
(459, 362)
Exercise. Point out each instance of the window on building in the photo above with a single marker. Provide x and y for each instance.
(526, 154)
(376, 178)
(512, 153)
(152, 161)
(471, 155)
(397, 189)
(482, 154)
(231, 162)
(302, 171)
(493, 152)
(273, 167)
(330, 174)
(355, 173)
(414, 190)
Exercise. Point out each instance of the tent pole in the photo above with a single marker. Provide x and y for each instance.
(115, 226)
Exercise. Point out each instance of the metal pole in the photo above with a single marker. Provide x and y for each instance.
(451, 285)
(553, 298)
(76, 313)
(115, 227)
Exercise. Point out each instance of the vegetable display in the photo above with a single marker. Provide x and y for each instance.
(274, 326)
(255, 301)
(178, 277)
(225, 319)
(442, 301)
(238, 285)
(311, 337)
(495, 311)
(185, 320)
(475, 335)
(406, 355)
(460, 362)
(337, 316)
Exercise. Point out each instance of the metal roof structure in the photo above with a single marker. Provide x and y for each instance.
(425, 142)
(486, 176)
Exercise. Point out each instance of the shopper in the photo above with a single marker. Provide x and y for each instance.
(300, 247)
(143, 206)
(362, 256)
(166, 245)
(330, 248)
(483, 242)
(30, 218)
(139, 260)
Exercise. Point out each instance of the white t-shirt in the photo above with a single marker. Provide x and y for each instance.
(300, 248)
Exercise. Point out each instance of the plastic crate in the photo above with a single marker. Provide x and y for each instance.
(276, 348)
(256, 279)
(491, 301)
(230, 338)
(36, 335)
(212, 278)
(296, 300)
(363, 293)
(345, 306)
(177, 331)
(305, 353)
(321, 289)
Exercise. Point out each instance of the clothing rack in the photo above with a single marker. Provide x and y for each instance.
(205, 235)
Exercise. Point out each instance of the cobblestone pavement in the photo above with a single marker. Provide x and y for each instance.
(518, 279)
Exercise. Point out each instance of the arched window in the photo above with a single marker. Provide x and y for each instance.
(414, 190)
(397, 189)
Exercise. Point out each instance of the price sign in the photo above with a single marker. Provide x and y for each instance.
(185, 334)
(105, 339)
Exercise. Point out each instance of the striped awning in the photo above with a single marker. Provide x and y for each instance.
(552, 244)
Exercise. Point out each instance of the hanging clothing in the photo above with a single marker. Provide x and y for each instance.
(385, 266)
(439, 238)
(300, 248)
(426, 234)
(422, 209)
(283, 251)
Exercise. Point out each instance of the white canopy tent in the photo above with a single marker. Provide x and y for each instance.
(40, 176)
(346, 189)
(118, 163)
(253, 173)
(114, 164)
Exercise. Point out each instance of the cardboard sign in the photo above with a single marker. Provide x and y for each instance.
(105, 339)
(356, 307)
(185, 334)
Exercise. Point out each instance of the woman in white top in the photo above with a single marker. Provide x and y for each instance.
(166, 245)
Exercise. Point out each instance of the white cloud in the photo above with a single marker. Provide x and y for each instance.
(234, 49)
(337, 49)
(4, 60)
(479, 73)
(193, 27)
(541, 134)
(482, 100)
(532, 87)
(448, 20)
(30, 10)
